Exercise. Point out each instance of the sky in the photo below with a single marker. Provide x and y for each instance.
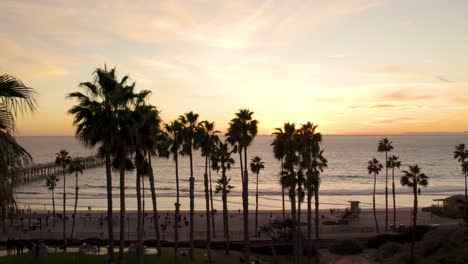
(350, 66)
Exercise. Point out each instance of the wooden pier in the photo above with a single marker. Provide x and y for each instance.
(42, 171)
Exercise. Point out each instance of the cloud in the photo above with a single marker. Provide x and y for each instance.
(384, 107)
(403, 95)
(443, 79)
(397, 120)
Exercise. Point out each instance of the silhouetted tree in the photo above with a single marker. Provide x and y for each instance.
(256, 166)
(393, 162)
(63, 159)
(385, 146)
(374, 167)
(413, 178)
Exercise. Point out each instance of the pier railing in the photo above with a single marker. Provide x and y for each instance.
(44, 170)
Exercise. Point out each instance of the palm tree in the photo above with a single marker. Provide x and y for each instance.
(414, 178)
(256, 166)
(97, 123)
(319, 162)
(313, 161)
(174, 130)
(15, 98)
(221, 159)
(461, 154)
(393, 162)
(289, 137)
(206, 139)
(150, 141)
(63, 159)
(279, 153)
(374, 167)
(385, 145)
(51, 184)
(75, 167)
(241, 132)
(190, 124)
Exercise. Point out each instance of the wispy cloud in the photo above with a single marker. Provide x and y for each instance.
(443, 79)
(404, 95)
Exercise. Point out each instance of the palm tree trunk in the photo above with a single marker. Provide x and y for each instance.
(256, 208)
(76, 205)
(207, 202)
(225, 215)
(317, 220)
(386, 192)
(122, 210)
(53, 203)
(466, 186)
(192, 207)
(110, 223)
(415, 215)
(64, 210)
(373, 205)
(299, 233)
(155, 209)
(309, 221)
(292, 195)
(139, 252)
(394, 199)
(283, 194)
(177, 208)
(245, 191)
(211, 200)
(143, 211)
(309, 214)
(283, 202)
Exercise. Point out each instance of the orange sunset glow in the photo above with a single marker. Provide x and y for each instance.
(354, 67)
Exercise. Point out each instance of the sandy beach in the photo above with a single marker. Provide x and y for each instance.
(92, 225)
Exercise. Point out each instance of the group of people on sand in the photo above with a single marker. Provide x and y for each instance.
(14, 247)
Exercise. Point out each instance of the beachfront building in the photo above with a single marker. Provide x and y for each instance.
(455, 205)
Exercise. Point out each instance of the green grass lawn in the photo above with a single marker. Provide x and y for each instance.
(167, 257)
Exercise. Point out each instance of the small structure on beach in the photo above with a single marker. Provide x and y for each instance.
(455, 204)
(353, 211)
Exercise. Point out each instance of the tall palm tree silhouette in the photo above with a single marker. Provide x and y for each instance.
(279, 153)
(63, 159)
(461, 154)
(174, 130)
(15, 98)
(51, 184)
(241, 132)
(393, 162)
(75, 167)
(221, 160)
(374, 167)
(256, 166)
(385, 146)
(206, 139)
(190, 125)
(413, 178)
(96, 121)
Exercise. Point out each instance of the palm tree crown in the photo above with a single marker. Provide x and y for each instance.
(374, 166)
(413, 177)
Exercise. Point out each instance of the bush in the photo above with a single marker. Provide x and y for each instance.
(387, 250)
(381, 239)
(345, 247)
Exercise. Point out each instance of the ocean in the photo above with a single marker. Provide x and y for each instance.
(345, 179)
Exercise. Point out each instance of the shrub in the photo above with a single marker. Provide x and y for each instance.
(387, 250)
(345, 247)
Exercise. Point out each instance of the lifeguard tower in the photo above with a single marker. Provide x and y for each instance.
(355, 210)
